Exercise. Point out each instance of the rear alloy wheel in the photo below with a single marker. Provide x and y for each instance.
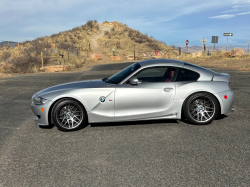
(201, 108)
(69, 115)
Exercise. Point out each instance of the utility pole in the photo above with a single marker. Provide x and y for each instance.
(248, 46)
(227, 43)
(68, 53)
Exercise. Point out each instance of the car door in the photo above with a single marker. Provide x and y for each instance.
(149, 98)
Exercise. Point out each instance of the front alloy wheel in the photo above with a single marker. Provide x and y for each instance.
(69, 115)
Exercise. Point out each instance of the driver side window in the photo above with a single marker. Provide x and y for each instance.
(156, 74)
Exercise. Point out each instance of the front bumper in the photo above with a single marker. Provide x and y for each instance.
(226, 103)
(41, 117)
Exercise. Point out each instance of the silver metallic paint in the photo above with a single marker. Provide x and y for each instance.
(124, 102)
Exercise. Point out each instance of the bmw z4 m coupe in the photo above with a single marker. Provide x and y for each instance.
(145, 90)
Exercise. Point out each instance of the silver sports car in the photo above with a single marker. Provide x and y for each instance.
(145, 90)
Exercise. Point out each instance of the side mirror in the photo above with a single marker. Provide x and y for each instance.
(133, 81)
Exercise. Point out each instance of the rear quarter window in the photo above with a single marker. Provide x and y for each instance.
(187, 75)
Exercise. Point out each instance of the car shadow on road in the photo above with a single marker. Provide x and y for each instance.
(51, 126)
(219, 117)
(127, 123)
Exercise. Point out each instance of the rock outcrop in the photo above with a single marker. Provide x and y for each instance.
(95, 56)
(237, 52)
(115, 58)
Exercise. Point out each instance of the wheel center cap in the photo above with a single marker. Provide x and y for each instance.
(68, 115)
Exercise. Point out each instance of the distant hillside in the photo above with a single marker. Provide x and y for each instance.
(12, 44)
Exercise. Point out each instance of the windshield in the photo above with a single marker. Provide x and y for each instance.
(118, 77)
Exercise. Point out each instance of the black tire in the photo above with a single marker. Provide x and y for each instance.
(201, 108)
(69, 115)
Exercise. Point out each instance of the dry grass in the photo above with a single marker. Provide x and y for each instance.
(123, 39)
(236, 63)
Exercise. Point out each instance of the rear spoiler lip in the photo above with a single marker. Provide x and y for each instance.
(224, 77)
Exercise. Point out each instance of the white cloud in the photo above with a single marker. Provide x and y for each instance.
(225, 16)
(241, 1)
(234, 10)
(243, 13)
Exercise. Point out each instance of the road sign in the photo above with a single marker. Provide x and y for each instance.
(203, 41)
(228, 34)
(215, 39)
(187, 42)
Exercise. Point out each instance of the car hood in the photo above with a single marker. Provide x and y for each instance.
(73, 85)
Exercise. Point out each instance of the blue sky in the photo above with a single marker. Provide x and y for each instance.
(170, 21)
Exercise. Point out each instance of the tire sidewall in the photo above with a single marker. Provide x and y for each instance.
(188, 101)
(58, 105)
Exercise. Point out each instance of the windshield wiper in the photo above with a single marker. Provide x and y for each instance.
(105, 79)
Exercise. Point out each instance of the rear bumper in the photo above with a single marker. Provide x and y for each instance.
(226, 100)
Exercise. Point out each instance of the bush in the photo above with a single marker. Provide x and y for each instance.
(39, 47)
(24, 64)
(6, 56)
(154, 46)
(118, 44)
(97, 27)
(64, 45)
(125, 29)
(90, 24)
(106, 32)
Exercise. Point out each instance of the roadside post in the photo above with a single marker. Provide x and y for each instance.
(42, 58)
(248, 46)
(228, 34)
(214, 40)
(58, 58)
(113, 51)
(179, 51)
(134, 51)
(68, 53)
(203, 41)
(187, 41)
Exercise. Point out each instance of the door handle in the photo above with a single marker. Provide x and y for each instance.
(168, 89)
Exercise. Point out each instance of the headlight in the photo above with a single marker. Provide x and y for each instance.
(38, 101)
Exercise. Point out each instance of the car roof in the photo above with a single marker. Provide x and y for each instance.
(161, 62)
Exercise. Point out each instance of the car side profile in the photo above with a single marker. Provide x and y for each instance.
(145, 90)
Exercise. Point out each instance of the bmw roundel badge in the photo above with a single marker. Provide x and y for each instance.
(102, 99)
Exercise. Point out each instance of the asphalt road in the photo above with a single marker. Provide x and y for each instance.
(152, 153)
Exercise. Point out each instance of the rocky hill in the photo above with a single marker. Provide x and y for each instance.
(75, 47)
